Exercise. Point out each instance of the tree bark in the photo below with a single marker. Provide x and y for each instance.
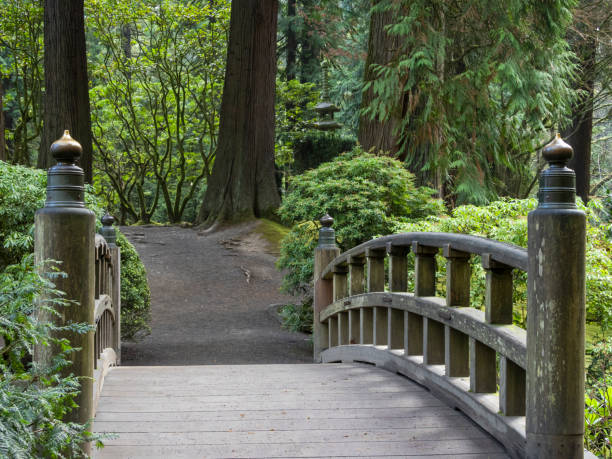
(381, 48)
(310, 46)
(66, 101)
(2, 127)
(242, 184)
(580, 131)
(291, 40)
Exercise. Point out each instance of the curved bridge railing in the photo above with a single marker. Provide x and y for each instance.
(107, 304)
(442, 343)
(527, 393)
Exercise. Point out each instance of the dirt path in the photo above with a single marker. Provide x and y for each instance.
(210, 296)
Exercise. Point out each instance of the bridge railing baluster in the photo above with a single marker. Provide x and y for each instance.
(398, 282)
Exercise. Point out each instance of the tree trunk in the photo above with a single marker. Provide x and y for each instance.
(291, 40)
(580, 131)
(66, 102)
(242, 184)
(381, 48)
(2, 141)
(310, 49)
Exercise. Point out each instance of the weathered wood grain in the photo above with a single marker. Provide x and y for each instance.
(328, 410)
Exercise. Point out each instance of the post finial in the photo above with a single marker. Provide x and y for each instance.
(327, 221)
(327, 235)
(557, 152)
(557, 182)
(65, 180)
(107, 219)
(66, 149)
(108, 231)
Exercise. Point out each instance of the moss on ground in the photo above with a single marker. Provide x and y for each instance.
(273, 233)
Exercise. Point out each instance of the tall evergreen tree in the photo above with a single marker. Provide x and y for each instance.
(242, 184)
(476, 85)
(66, 101)
(382, 46)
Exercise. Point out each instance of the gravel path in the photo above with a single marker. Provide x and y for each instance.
(210, 296)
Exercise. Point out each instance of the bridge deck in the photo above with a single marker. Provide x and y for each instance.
(279, 411)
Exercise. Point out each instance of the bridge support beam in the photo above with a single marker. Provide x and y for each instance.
(556, 314)
(64, 231)
(325, 252)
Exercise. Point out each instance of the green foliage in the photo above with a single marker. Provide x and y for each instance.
(135, 294)
(21, 77)
(365, 193)
(34, 399)
(297, 317)
(598, 419)
(158, 81)
(473, 107)
(600, 366)
(315, 147)
(22, 192)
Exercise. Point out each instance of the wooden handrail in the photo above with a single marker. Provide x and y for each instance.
(502, 252)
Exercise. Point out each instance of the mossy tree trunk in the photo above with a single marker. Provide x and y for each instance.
(242, 184)
(66, 100)
(2, 141)
(580, 132)
(381, 48)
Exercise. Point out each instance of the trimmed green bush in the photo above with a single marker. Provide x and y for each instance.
(135, 294)
(367, 195)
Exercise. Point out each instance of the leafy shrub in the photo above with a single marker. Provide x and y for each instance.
(366, 194)
(135, 294)
(34, 399)
(598, 420)
(297, 317)
(600, 366)
(22, 192)
(314, 147)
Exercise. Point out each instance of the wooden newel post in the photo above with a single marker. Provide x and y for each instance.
(109, 234)
(325, 252)
(64, 231)
(556, 313)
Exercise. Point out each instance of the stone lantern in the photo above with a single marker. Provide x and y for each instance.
(325, 108)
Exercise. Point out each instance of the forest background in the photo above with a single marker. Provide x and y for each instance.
(443, 108)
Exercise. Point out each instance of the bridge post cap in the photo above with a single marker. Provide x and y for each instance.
(557, 182)
(66, 149)
(107, 220)
(558, 152)
(326, 221)
(327, 235)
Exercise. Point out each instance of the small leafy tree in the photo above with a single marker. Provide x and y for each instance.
(159, 79)
(21, 78)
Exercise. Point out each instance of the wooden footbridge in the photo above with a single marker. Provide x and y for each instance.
(396, 373)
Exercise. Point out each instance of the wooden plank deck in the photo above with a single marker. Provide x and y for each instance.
(332, 410)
